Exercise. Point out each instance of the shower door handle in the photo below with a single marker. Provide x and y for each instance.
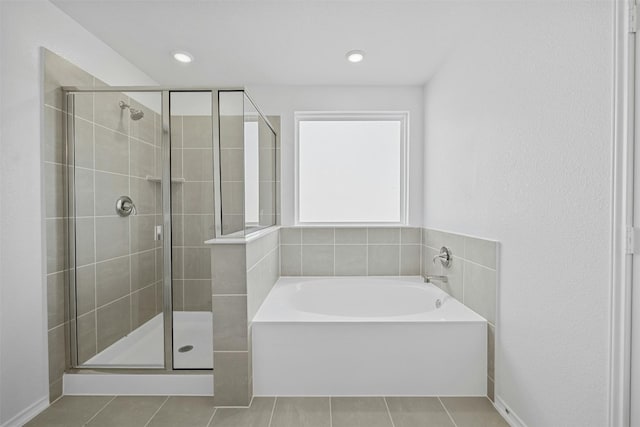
(157, 232)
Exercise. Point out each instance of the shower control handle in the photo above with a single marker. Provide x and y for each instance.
(444, 256)
(125, 206)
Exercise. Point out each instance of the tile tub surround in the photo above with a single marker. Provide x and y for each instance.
(75, 411)
(350, 251)
(243, 275)
(473, 279)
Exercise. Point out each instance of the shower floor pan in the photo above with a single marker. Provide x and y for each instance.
(143, 348)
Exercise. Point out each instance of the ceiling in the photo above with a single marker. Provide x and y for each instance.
(295, 42)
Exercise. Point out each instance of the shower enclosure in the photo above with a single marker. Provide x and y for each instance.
(152, 174)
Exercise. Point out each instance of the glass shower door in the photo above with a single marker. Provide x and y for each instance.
(116, 218)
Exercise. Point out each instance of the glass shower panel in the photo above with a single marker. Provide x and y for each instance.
(117, 209)
(232, 161)
(193, 223)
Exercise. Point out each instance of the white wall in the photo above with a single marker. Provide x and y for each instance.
(518, 131)
(25, 27)
(285, 100)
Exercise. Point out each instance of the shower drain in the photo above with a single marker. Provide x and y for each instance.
(185, 348)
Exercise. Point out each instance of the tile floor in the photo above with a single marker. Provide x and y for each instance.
(155, 411)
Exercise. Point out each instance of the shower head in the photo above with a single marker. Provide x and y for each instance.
(134, 113)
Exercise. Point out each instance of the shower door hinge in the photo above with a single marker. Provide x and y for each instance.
(633, 17)
(633, 240)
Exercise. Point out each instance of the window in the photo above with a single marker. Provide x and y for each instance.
(351, 168)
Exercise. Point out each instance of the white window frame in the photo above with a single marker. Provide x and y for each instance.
(397, 116)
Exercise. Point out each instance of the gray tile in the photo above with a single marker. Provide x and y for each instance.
(428, 266)
(359, 412)
(111, 151)
(197, 263)
(177, 170)
(198, 197)
(85, 248)
(351, 260)
(480, 251)
(290, 236)
(143, 306)
(55, 390)
(83, 148)
(55, 245)
(177, 230)
(85, 289)
(113, 322)
(317, 260)
(229, 269)
(184, 411)
(230, 323)
(232, 195)
(56, 310)
(291, 260)
(143, 194)
(257, 415)
(108, 188)
(418, 412)
(70, 411)
(301, 412)
(455, 285)
(177, 262)
(411, 236)
(383, 235)
(473, 412)
(455, 242)
(317, 236)
(384, 260)
(142, 159)
(53, 135)
(112, 238)
(60, 72)
(178, 295)
(197, 132)
(231, 386)
(351, 236)
(198, 164)
(260, 281)
(233, 164)
(197, 295)
(177, 205)
(197, 229)
(143, 269)
(84, 192)
(112, 280)
(480, 290)
(54, 191)
(128, 411)
(232, 127)
(142, 232)
(108, 112)
(86, 337)
(176, 131)
(58, 358)
(409, 260)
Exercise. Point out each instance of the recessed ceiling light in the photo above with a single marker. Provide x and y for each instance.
(183, 57)
(355, 56)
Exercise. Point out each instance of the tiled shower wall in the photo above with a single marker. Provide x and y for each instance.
(117, 278)
(473, 280)
(192, 211)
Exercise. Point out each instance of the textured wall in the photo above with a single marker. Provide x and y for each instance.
(517, 148)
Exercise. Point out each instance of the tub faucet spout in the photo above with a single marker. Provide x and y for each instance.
(431, 279)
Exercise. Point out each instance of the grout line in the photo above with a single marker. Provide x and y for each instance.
(388, 411)
(330, 413)
(447, 411)
(100, 410)
(158, 410)
(212, 415)
(273, 409)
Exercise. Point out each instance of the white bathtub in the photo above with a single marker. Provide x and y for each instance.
(366, 336)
